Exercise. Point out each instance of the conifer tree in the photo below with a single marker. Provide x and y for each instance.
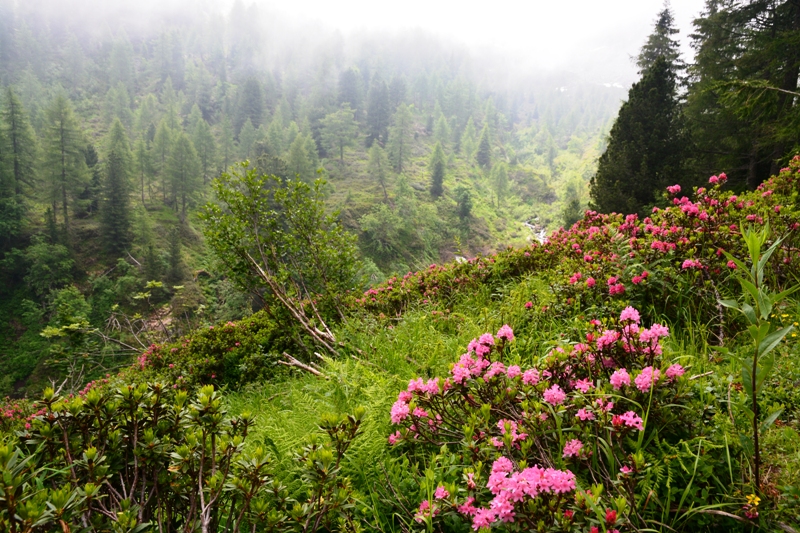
(311, 151)
(18, 146)
(183, 170)
(250, 105)
(378, 167)
(350, 89)
(64, 157)
(162, 147)
(227, 144)
(205, 145)
(176, 267)
(484, 153)
(660, 43)
(401, 134)
(468, 140)
(645, 146)
(143, 164)
(441, 132)
(115, 218)
(247, 139)
(397, 91)
(146, 114)
(298, 162)
(500, 181)
(437, 170)
(339, 130)
(378, 113)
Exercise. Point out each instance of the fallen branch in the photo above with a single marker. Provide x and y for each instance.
(291, 361)
(701, 375)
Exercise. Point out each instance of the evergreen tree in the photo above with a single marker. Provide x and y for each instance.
(143, 164)
(118, 105)
(484, 153)
(247, 139)
(250, 104)
(463, 203)
(227, 144)
(183, 170)
(468, 140)
(205, 145)
(311, 151)
(441, 132)
(147, 114)
(401, 134)
(437, 170)
(115, 219)
(645, 147)
(350, 89)
(298, 162)
(397, 91)
(660, 43)
(378, 167)
(18, 147)
(64, 157)
(378, 113)
(275, 137)
(176, 268)
(500, 181)
(162, 147)
(194, 118)
(339, 130)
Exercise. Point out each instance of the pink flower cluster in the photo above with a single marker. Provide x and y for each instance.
(510, 487)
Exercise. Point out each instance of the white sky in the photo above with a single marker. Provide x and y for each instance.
(595, 36)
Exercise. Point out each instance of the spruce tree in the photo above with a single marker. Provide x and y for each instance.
(378, 113)
(115, 216)
(437, 170)
(247, 140)
(350, 89)
(660, 43)
(18, 153)
(162, 147)
(143, 165)
(484, 153)
(401, 135)
(64, 157)
(441, 132)
(468, 140)
(339, 130)
(500, 181)
(227, 144)
(645, 146)
(298, 162)
(250, 105)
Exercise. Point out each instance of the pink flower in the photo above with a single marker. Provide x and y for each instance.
(405, 396)
(583, 385)
(554, 395)
(513, 371)
(590, 282)
(486, 339)
(399, 412)
(530, 377)
(467, 508)
(629, 314)
(647, 378)
(419, 412)
(675, 371)
(528, 305)
(616, 289)
(631, 419)
(626, 470)
(585, 415)
(441, 493)
(497, 369)
(713, 180)
(395, 437)
(572, 448)
(674, 189)
(505, 333)
(732, 265)
(691, 263)
(620, 378)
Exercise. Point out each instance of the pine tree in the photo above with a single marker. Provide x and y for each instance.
(247, 139)
(645, 146)
(484, 153)
(176, 268)
(143, 164)
(250, 104)
(350, 89)
(64, 157)
(115, 219)
(205, 145)
(378, 167)
(437, 170)
(339, 130)
(378, 113)
(401, 134)
(660, 43)
(397, 91)
(147, 114)
(183, 170)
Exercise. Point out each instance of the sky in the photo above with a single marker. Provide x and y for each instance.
(595, 37)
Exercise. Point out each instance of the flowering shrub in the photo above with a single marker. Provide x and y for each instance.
(558, 444)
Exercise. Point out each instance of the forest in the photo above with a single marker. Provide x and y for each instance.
(261, 275)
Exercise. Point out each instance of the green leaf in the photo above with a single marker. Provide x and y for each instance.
(764, 368)
(749, 313)
(771, 419)
(730, 304)
(772, 340)
(747, 381)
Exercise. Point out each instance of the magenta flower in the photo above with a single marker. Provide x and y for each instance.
(513, 371)
(675, 371)
(573, 448)
(590, 282)
(585, 415)
(530, 377)
(505, 333)
(399, 412)
(647, 378)
(620, 378)
(629, 314)
(395, 437)
(528, 305)
(554, 395)
(584, 385)
(441, 493)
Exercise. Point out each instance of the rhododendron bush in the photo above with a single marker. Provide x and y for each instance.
(559, 445)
